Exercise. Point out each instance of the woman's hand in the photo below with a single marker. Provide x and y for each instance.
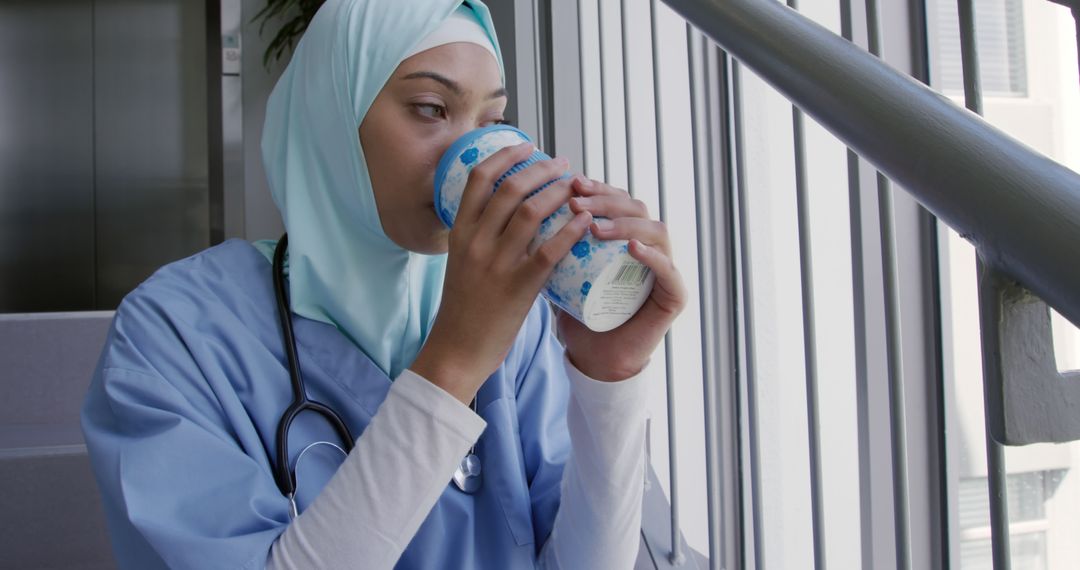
(492, 279)
(623, 352)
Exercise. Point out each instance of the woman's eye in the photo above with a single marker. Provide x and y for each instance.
(435, 111)
(431, 110)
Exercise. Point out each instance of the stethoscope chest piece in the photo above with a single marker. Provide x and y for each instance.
(468, 477)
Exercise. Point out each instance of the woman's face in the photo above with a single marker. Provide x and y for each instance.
(432, 98)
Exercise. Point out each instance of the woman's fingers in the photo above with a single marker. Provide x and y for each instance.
(588, 187)
(558, 246)
(513, 193)
(649, 232)
(668, 292)
(526, 219)
(610, 206)
(618, 216)
(482, 180)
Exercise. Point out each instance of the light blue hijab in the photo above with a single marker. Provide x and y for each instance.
(343, 269)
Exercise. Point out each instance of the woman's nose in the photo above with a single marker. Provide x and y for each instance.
(463, 128)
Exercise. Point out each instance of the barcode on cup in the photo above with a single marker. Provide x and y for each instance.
(631, 274)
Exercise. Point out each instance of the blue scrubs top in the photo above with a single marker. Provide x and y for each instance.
(181, 416)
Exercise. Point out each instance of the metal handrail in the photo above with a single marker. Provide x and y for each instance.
(1018, 207)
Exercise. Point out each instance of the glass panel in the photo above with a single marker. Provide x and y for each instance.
(1066, 343)
(1028, 494)
(47, 157)
(1027, 497)
(103, 169)
(1000, 39)
(976, 555)
(1028, 553)
(1043, 484)
(151, 182)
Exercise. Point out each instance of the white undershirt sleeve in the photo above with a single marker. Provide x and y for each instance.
(598, 524)
(370, 510)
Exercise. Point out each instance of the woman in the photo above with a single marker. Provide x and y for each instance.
(182, 413)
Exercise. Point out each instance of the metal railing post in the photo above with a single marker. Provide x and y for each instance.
(858, 291)
(806, 274)
(707, 296)
(989, 310)
(581, 87)
(631, 186)
(676, 556)
(747, 318)
(538, 76)
(894, 340)
(713, 196)
(990, 315)
(606, 152)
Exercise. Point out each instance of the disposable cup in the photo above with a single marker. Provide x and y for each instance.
(598, 283)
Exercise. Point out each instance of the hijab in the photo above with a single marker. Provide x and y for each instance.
(343, 268)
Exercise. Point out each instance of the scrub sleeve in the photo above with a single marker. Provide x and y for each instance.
(420, 433)
(180, 417)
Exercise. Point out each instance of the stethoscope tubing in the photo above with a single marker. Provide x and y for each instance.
(283, 475)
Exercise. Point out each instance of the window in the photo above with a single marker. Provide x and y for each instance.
(1028, 494)
(999, 37)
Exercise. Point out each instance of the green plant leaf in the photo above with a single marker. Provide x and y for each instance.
(296, 15)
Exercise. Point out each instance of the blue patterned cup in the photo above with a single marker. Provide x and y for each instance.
(599, 283)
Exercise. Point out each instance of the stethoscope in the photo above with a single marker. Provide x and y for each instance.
(467, 476)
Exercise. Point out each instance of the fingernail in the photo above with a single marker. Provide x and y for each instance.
(604, 225)
(582, 202)
(584, 182)
(563, 161)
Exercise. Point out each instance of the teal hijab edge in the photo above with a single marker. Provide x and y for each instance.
(392, 335)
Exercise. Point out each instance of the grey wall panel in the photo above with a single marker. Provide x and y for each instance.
(46, 156)
(50, 493)
(47, 361)
(150, 138)
(60, 523)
